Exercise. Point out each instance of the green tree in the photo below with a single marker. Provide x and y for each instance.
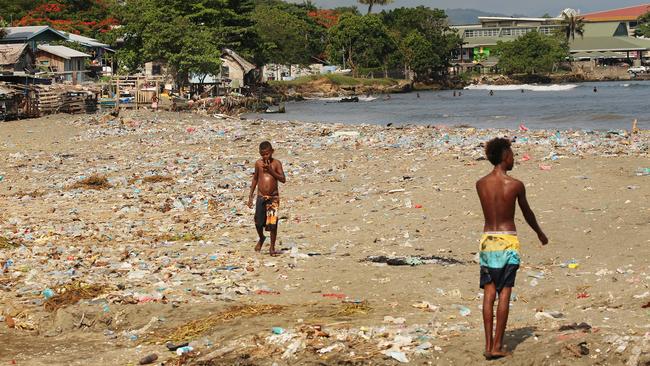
(165, 30)
(372, 3)
(572, 24)
(16, 9)
(360, 41)
(288, 36)
(410, 26)
(420, 56)
(532, 53)
(643, 29)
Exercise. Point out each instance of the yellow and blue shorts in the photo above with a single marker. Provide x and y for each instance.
(499, 258)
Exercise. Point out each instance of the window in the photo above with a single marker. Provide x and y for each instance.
(45, 62)
(225, 72)
(492, 32)
(545, 30)
(155, 69)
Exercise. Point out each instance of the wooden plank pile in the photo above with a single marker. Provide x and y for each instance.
(48, 101)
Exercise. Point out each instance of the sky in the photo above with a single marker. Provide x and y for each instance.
(509, 7)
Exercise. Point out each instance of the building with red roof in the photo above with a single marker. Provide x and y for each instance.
(631, 13)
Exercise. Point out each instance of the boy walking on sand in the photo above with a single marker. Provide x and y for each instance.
(499, 252)
(268, 172)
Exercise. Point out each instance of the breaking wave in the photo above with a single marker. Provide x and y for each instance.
(336, 99)
(530, 87)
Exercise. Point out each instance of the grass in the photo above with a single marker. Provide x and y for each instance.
(95, 181)
(6, 243)
(71, 293)
(194, 328)
(336, 79)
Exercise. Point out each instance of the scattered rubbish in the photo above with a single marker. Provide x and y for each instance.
(549, 315)
(334, 296)
(544, 167)
(173, 347)
(399, 356)
(463, 310)
(424, 305)
(575, 326)
(582, 295)
(578, 350)
(390, 319)
(412, 261)
(185, 349)
(643, 172)
(277, 330)
(646, 306)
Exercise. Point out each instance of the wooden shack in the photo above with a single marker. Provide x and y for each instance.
(67, 64)
(16, 58)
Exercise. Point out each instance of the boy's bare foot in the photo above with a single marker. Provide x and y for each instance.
(493, 355)
(272, 251)
(258, 247)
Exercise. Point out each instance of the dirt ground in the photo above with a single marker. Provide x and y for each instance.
(162, 249)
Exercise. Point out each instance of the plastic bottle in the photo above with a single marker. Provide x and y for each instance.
(186, 349)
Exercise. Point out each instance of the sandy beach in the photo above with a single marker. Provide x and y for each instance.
(163, 249)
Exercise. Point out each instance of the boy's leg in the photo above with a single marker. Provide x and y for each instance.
(260, 233)
(489, 295)
(274, 234)
(502, 318)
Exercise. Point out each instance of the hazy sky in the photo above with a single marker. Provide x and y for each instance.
(526, 7)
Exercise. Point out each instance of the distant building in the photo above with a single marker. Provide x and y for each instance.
(101, 53)
(607, 35)
(33, 35)
(16, 58)
(236, 70)
(66, 63)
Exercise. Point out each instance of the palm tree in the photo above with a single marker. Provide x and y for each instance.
(370, 3)
(572, 24)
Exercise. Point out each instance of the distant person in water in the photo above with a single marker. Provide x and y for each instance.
(460, 93)
(499, 246)
(454, 93)
(418, 94)
(595, 90)
(387, 97)
(491, 92)
(522, 91)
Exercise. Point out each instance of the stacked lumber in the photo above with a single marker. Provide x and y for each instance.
(48, 100)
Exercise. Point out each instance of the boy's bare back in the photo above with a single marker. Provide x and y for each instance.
(498, 194)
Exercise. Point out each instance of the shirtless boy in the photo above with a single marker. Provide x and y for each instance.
(499, 253)
(268, 172)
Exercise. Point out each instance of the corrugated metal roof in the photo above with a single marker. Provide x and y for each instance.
(10, 53)
(62, 51)
(601, 44)
(26, 33)
(620, 14)
(86, 41)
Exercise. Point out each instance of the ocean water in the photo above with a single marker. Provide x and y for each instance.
(562, 106)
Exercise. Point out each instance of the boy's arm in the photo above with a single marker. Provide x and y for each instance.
(529, 215)
(253, 186)
(278, 173)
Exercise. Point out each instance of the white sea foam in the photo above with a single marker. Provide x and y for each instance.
(336, 99)
(530, 87)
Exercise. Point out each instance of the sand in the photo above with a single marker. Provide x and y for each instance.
(336, 203)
